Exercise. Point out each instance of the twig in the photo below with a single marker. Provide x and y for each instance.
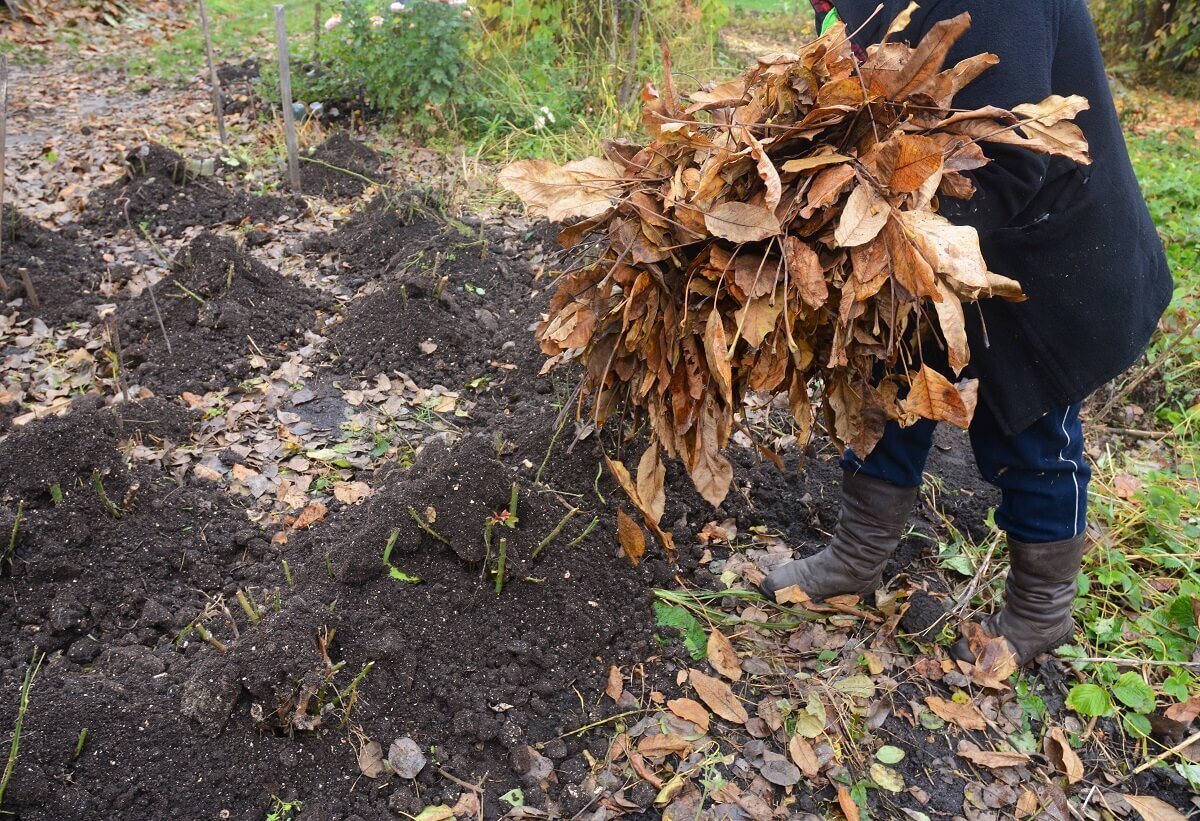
(554, 533)
(30, 291)
(1180, 747)
(969, 593)
(3, 137)
(285, 93)
(634, 32)
(1187, 665)
(114, 338)
(11, 550)
(214, 80)
(501, 558)
(1135, 432)
(1148, 372)
(416, 517)
(475, 788)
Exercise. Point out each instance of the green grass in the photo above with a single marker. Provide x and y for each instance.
(240, 29)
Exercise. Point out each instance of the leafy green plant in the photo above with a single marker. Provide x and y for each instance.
(403, 59)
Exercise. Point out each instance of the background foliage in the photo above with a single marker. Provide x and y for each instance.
(1151, 31)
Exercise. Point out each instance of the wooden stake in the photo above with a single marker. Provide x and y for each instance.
(317, 32)
(3, 138)
(214, 80)
(285, 93)
(30, 291)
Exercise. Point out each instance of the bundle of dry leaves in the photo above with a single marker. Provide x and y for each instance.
(780, 229)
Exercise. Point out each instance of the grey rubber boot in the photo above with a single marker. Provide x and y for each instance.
(1040, 590)
(873, 518)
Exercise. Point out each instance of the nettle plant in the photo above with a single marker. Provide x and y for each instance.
(401, 57)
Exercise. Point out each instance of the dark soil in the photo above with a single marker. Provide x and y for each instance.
(217, 306)
(239, 85)
(181, 728)
(339, 167)
(65, 272)
(435, 284)
(159, 191)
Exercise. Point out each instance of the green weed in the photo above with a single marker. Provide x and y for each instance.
(22, 708)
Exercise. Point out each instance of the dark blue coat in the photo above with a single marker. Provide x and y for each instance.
(1078, 238)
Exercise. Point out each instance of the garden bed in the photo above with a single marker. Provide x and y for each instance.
(247, 590)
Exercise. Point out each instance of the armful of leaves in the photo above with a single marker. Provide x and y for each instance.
(779, 229)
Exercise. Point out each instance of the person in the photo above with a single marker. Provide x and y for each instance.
(1082, 243)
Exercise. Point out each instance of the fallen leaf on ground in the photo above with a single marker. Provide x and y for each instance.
(616, 683)
(1154, 809)
(1065, 760)
(312, 514)
(633, 540)
(690, 710)
(988, 758)
(719, 697)
(664, 744)
(966, 716)
(846, 802)
(722, 656)
(370, 759)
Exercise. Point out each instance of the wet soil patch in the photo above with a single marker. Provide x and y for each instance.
(66, 273)
(162, 193)
(339, 167)
(219, 307)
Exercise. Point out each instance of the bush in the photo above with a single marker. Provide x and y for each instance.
(402, 59)
(1150, 31)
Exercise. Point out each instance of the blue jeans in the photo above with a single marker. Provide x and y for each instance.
(1041, 472)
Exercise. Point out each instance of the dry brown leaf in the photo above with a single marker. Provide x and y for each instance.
(1153, 809)
(804, 757)
(584, 188)
(664, 744)
(990, 759)
(719, 697)
(722, 656)
(651, 474)
(966, 716)
(1185, 712)
(847, 805)
(616, 683)
(631, 537)
(741, 222)
(1065, 760)
(863, 217)
(690, 710)
(312, 514)
(933, 396)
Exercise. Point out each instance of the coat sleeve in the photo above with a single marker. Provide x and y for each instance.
(1024, 35)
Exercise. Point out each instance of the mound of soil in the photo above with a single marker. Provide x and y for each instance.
(339, 167)
(218, 308)
(159, 190)
(66, 274)
(451, 300)
(105, 585)
(388, 228)
(476, 676)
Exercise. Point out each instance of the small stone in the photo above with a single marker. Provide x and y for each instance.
(530, 765)
(406, 758)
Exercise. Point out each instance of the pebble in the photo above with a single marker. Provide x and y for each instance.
(405, 758)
